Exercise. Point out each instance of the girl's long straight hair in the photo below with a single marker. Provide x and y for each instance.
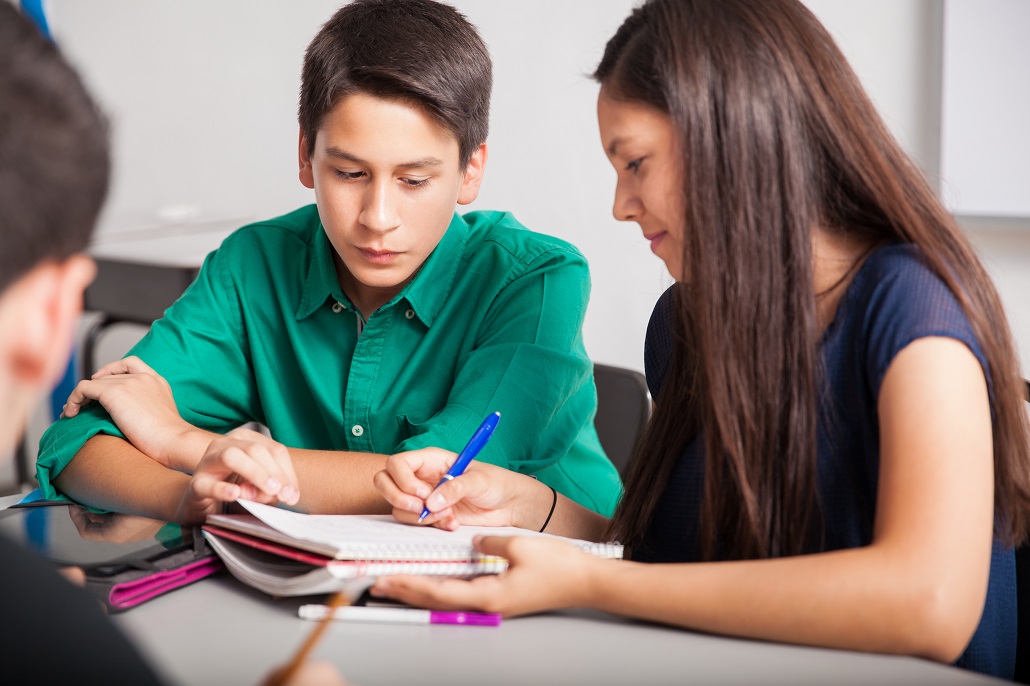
(777, 137)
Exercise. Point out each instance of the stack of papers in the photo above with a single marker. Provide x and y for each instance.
(286, 553)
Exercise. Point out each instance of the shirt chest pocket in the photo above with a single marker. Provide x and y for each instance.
(411, 425)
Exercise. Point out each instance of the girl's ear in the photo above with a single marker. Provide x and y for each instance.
(473, 177)
(39, 314)
(307, 176)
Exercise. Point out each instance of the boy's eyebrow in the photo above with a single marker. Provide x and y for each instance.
(422, 163)
(339, 154)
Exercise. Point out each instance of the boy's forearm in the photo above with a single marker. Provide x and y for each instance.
(110, 473)
(336, 482)
(541, 508)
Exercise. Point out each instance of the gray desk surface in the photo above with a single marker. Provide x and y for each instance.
(219, 631)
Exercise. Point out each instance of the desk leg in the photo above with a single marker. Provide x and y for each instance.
(21, 463)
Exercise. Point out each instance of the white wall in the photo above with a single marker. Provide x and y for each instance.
(203, 100)
(202, 96)
(985, 89)
(895, 47)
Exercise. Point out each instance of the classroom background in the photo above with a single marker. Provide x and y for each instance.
(202, 99)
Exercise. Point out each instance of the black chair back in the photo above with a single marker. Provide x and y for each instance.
(1022, 675)
(623, 407)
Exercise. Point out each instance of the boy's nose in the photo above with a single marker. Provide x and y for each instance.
(379, 212)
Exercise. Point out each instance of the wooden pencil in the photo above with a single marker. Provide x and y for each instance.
(284, 675)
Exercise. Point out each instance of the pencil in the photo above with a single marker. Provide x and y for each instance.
(283, 676)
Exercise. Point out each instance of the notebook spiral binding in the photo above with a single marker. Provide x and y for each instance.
(440, 560)
(439, 566)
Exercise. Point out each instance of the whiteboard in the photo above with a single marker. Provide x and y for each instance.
(985, 108)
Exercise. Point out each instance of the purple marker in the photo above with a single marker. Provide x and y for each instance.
(398, 615)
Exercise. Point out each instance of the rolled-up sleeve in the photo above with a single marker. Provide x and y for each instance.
(197, 348)
(529, 363)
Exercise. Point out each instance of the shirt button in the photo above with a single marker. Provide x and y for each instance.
(410, 314)
(337, 308)
(357, 429)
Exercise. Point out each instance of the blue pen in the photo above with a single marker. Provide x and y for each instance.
(475, 444)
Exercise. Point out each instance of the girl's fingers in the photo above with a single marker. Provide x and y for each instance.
(438, 594)
(497, 546)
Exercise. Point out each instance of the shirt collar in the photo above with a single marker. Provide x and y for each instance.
(322, 282)
(430, 288)
(426, 293)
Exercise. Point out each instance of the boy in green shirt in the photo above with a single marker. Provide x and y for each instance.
(374, 322)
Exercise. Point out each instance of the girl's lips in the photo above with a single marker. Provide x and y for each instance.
(655, 240)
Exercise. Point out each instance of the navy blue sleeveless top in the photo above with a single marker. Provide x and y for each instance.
(893, 300)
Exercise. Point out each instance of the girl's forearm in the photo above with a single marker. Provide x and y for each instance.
(869, 599)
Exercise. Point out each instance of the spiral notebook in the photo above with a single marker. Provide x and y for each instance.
(286, 553)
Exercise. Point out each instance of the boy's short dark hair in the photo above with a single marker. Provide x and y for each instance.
(418, 51)
(54, 163)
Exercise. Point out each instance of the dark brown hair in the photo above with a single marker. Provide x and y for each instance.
(417, 51)
(54, 163)
(777, 136)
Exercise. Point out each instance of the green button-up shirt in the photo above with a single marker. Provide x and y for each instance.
(492, 322)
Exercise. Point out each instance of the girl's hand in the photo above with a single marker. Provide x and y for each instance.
(484, 495)
(542, 575)
(241, 464)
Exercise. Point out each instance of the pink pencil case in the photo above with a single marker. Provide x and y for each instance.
(134, 586)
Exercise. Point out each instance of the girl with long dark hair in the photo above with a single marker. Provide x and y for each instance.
(838, 454)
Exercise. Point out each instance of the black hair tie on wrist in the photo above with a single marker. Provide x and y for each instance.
(553, 503)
